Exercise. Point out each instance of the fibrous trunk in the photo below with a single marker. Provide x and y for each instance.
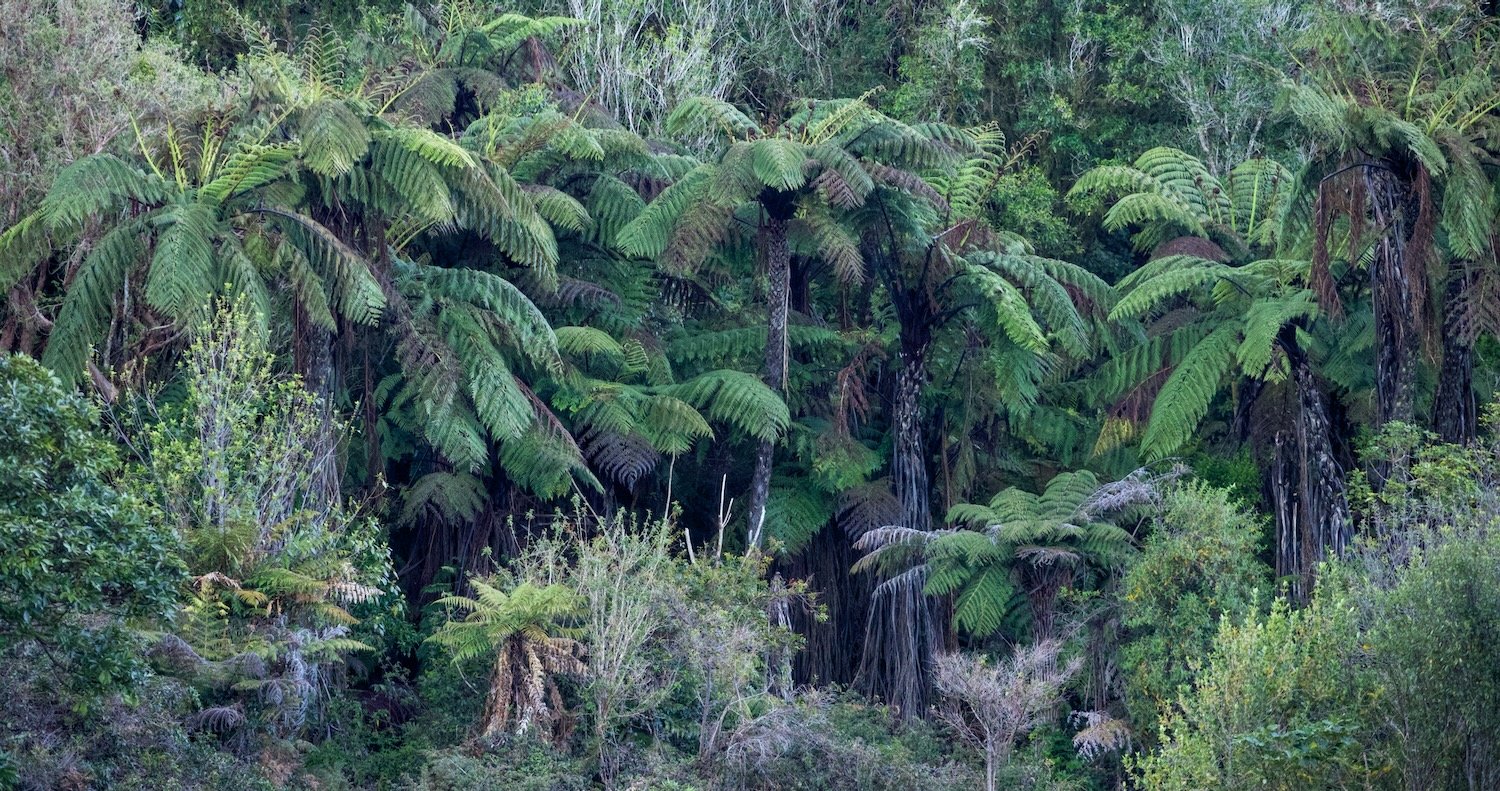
(1456, 418)
(904, 627)
(314, 358)
(830, 653)
(1392, 285)
(778, 261)
(1308, 493)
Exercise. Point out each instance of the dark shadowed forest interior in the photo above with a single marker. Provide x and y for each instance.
(747, 395)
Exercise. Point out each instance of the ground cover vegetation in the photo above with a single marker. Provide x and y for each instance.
(703, 395)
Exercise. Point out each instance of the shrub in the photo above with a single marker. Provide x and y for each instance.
(1197, 566)
(78, 557)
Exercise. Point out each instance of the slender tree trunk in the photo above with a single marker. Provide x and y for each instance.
(1457, 418)
(778, 259)
(1390, 283)
(315, 363)
(909, 465)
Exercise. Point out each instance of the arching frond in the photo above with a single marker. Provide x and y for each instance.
(737, 399)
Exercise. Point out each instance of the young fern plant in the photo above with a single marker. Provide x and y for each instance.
(1005, 561)
(524, 629)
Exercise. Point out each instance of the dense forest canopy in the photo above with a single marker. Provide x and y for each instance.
(818, 394)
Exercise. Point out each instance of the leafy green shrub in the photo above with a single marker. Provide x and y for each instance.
(1198, 566)
(243, 468)
(78, 557)
(518, 764)
(1276, 706)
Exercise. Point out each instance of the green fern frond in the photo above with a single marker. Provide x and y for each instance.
(1185, 397)
(98, 185)
(794, 514)
(333, 137)
(703, 114)
(356, 293)
(180, 281)
(589, 342)
(248, 168)
(513, 309)
(510, 30)
(1263, 324)
(672, 425)
(449, 497)
(647, 235)
(22, 247)
(86, 309)
(1011, 310)
(737, 399)
(834, 243)
(779, 164)
(1169, 277)
(559, 208)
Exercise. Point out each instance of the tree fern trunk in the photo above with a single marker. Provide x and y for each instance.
(1392, 287)
(830, 650)
(314, 359)
(1311, 506)
(1457, 418)
(778, 259)
(909, 465)
(899, 638)
(904, 627)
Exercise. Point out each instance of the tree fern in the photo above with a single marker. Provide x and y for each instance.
(738, 399)
(1185, 397)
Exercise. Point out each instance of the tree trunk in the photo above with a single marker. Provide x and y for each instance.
(1395, 309)
(778, 259)
(1309, 501)
(314, 360)
(909, 465)
(831, 648)
(904, 628)
(1457, 418)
